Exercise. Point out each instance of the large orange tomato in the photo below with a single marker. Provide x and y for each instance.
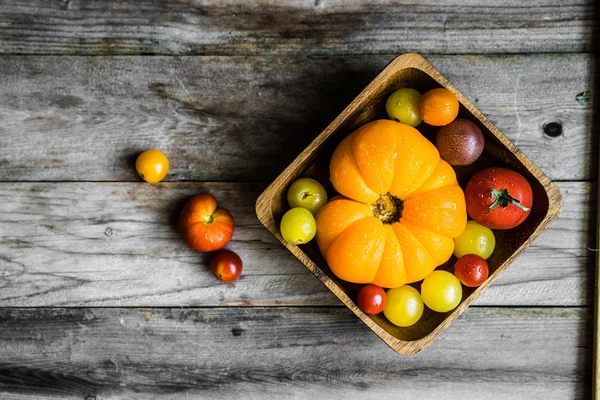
(402, 207)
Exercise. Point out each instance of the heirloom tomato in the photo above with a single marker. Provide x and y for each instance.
(203, 225)
(402, 207)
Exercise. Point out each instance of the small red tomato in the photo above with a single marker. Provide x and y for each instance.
(498, 198)
(203, 226)
(226, 266)
(371, 299)
(471, 270)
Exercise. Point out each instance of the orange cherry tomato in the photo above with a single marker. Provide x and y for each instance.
(438, 107)
(226, 265)
(203, 226)
(152, 166)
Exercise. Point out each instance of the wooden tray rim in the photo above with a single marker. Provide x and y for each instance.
(263, 203)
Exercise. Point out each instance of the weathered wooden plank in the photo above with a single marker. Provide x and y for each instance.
(116, 244)
(264, 353)
(246, 118)
(300, 27)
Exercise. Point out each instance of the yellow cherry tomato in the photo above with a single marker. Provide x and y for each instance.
(152, 165)
(441, 291)
(475, 239)
(403, 306)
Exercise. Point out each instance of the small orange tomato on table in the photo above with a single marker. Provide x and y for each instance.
(203, 225)
(438, 107)
(152, 166)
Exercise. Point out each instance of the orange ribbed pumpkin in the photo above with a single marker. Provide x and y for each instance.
(402, 207)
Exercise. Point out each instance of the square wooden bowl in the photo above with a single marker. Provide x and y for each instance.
(413, 71)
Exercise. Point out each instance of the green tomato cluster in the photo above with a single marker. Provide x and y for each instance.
(305, 197)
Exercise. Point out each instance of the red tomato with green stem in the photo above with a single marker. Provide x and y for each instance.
(498, 198)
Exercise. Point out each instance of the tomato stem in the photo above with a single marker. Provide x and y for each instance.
(208, 219)
(388, 209)
(503, 199)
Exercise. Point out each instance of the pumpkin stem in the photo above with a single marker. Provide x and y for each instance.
(388, 209)
(503, 198)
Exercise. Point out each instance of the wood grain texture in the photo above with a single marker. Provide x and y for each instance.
(258, 353)
(116, 244)
(246, 118)
(299, 27)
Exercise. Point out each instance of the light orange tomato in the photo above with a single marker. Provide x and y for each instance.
(438, 107)
(401, 210)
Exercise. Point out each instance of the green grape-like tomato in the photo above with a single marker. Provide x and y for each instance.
(403, 306)
(403, 105)
(441, 291)
(475, 239)
(307, 193)
(298, 226)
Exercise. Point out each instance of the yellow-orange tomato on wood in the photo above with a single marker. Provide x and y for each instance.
(402, 207)
(152, 166)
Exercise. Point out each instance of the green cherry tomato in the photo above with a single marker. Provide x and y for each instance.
(475, 239)
(298, 226)
(404, 306)
(307, 193)
(441, 291)
(403, 105)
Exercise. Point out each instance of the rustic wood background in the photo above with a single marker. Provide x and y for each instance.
(100, 299)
